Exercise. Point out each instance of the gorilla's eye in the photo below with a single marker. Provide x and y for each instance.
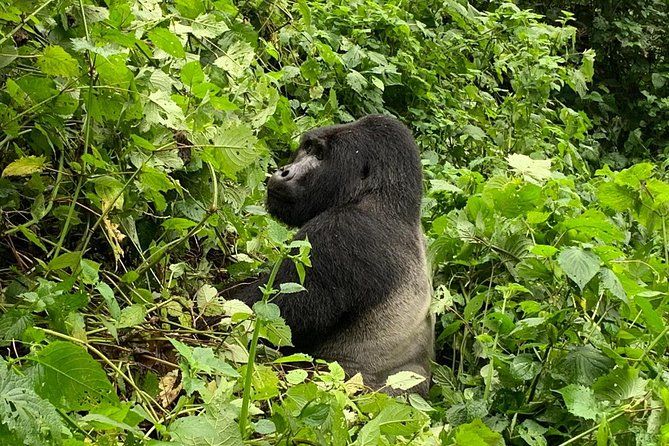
(316, 149)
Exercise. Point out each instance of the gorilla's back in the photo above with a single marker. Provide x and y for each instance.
(397, 332)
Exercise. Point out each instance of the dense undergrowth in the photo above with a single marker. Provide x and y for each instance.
(135, 136)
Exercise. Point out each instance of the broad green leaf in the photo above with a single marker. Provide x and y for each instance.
(131, 316)
(581, 402)
(404, 380)
(584, 364)
(161, 109)
(621, 384)
(108, 295)
(653, 320)
(237, 59)
(633, 176)
(579, 265)
(609, 281)
(8, 54)
(67, 260)
(168, 42)
(32, 420)
(203, 359)
(277, 233)
(205, 430)
(475, 132)
(24, 166)
(477, 433)
(55, 61)
(70, 378)
(109, 191)
(296, 376)
(616, 197)
(594, 224)
(534, 171)
(356, 81)
(229, 148)
(192, 74)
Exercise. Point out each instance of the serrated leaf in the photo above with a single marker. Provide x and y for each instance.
(620, 384)
(616, 197)
(24, 166)
(404, 380)
(291, 287)
(230, 148)
(161, 109)
(201, 430)
(594, 224)
(579, 265)
(191, 74)
(70, 378)
(477, 433)
(581, 402)
(609, 281)
(356, 81)
(584, 364)
(167, 41)
(534, 171)
(237, 59)
(131, 316)
(55, 61)
(33, 421)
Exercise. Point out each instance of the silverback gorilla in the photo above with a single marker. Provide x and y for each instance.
(354, 190)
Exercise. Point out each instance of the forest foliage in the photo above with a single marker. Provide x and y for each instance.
(135, 139)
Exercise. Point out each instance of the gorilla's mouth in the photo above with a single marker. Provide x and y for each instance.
(279, 195)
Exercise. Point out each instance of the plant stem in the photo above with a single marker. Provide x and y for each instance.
(246, 398)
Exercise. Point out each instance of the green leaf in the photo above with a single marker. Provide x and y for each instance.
(205, 430)
(534, 171)
(356, 81)
(579, 265)
(477, 433)
(609, 281)
(653, 320)
(192, 74)
(473, 131)
(66, 375)
(167, 41)
(131, 316)
(68, 260)
(229, 148)
(594, 224)
(203, 359)
(32, 420)
(616, 197)
(404, 380)
(296, 376)
(619, 385)
(581, 402)
(55, 61)
(291, 287)
(24, 166)
(584, 364)
(237, 59)
(161, 109)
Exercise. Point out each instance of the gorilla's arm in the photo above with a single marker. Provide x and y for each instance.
(351, 270)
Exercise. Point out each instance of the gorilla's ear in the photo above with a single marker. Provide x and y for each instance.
(365, 170)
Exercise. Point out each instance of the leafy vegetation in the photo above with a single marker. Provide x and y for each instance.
(135, 136)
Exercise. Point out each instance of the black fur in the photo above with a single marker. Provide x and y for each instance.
(355, 191)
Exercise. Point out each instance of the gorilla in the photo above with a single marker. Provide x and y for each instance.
(354, 190)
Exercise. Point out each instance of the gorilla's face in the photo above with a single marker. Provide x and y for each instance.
(310, 184)
(374, 157)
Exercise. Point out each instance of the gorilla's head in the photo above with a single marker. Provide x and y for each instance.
(373, 159)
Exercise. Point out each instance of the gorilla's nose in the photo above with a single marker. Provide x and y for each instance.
(284, 174)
